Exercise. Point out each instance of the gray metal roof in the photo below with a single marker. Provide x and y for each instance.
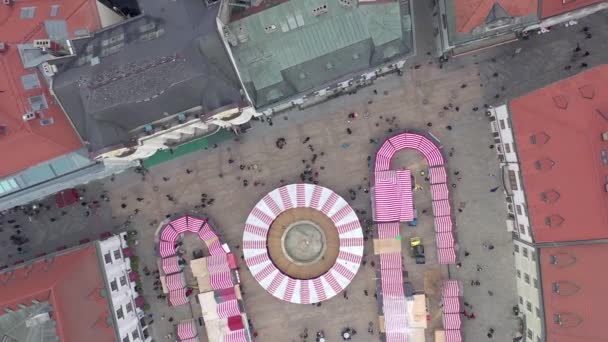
(31, 323)
(302, 44)
(165, 61)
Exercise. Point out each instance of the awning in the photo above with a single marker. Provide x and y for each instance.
(228, 309)
(175, 281)
(443, 224)
(236, 336)
(453, 336)
(438, 175)
(140, 302)
(451, 305)
(451, 288)
(171, 265)
(393, 199)
(441, 208)
(446, 256)
(452, 321)
(166, 249)
(186, 330)
(444, 240)
(221, 280)
(178, 297)
(235, 323)
(439, 192)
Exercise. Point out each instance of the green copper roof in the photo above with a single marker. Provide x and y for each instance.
(287, 49)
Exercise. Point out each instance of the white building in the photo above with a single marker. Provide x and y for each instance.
(118, 276)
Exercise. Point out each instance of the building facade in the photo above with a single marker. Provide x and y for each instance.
(127, 311)
(465, 26)
(543, 140)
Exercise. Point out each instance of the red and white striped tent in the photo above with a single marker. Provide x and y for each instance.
(439, 192)
(166, 249)
(438, 175)
(217, 263)
(171, 265)
(453, 336)
(443, 224)
(388, 230)
(177, 297)
(298, 290)
(221, 280)
(175, 281)
(393, 199)
(445, 240)
(451, 288)
(228, 308)
(441, 208)
(446, 256)
(452, 321)
(451, 305)
(236, 336)
(186, 330)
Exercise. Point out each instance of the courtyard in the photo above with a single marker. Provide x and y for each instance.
(448, 102)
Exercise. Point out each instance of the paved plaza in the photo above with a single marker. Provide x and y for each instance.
(448, 102)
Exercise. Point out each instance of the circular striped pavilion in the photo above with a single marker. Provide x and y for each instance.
(303, 243)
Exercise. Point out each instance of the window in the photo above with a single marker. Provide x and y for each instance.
(54, 10)
(537, 312)
(129, 307)
(535, 281)
(518, 209)
(113, 285)
(518, 274)
(513, 180)
(117, 255)
(521, 300)
(524, 251)
(126, 339)
(516, 247)
(502, 124)
(135, 334)
(529, 306)
(508, 149)
(119, 313)
(532, 255)
(522, 229)
(529, 334)
(527, 278)
(123, 281)
(108, 258)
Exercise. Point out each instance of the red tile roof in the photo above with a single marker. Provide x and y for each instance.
(582, 301)
(563, 174)
(550, 8)
(473, 13)
(71, 283)
(26, 144)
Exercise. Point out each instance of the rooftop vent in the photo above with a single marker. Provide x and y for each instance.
(544, 164)
(3, 47)
(587, 92)
(554, 220)
(317, 11)
(29, 116)
(567, 319)
(345, 3)
(47, 122)
(549, 196)
(539, 138)
(149, 129)
(3, 129)
(562, 259)
(7, 2)
(560, 102)
(565, 288)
